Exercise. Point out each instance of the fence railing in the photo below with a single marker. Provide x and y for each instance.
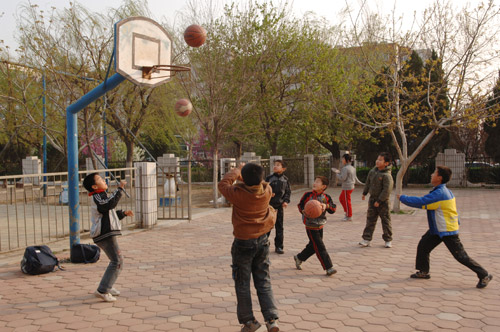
(173, 192)
(34, 210)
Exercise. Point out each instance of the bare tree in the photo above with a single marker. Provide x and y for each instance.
(72, 48)
(464, 41)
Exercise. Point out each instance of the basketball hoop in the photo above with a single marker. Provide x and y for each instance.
(147, 71)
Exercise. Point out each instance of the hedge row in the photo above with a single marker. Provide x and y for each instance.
(422, 174)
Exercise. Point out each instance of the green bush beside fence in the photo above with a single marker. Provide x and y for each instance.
(417, 174)
(483, 174)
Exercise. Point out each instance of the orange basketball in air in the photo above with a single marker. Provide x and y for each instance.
(195, 35)
(183, 107)
(313, 209)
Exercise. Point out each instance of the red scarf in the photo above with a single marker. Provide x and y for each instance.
(98, 191)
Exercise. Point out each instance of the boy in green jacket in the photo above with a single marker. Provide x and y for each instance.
(379, 184)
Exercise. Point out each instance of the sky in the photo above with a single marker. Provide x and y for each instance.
(168, 9)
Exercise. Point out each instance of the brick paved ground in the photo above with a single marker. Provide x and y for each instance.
(178, 278)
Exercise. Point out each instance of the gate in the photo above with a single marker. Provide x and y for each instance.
(174, 191)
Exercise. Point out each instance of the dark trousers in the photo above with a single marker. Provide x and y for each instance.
(251, 259)
(316, 246)
(429, 241)
(371, 220)
(278, 237)
(112, 250)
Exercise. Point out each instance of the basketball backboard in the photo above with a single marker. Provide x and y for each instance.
(141, 42)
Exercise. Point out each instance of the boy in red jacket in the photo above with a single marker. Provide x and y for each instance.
(314, 226)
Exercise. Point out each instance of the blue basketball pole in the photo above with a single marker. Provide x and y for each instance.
(72, 140)
(44, 136)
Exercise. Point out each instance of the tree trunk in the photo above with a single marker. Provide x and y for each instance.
(130, 153)
(396, 206)
(7, 145)
(274, 148)
(239, 149)
(86, 132)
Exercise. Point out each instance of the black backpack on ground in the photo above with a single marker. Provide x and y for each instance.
(39, 260)
(85, 253)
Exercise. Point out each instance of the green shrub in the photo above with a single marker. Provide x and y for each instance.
(417, 174)
(198, 174)
(420, 174)
(362, 173)
(483, 174)
(495, 175)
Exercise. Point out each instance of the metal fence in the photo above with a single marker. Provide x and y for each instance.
(202, 170)
(34, 210)
(482, 170)
(173, 192)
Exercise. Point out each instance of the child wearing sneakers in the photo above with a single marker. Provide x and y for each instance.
(379, 184)
(314, 226)
(105, 227)
(443, 220)
(281, 190)
(348, 178)
(252, 219)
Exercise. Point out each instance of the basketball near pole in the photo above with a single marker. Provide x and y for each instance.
(183, 107)
(195, 35)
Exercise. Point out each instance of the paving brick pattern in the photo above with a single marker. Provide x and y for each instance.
(178, 278)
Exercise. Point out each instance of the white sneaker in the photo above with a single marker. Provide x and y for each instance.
(115, 292)
(364, 243)
(347, 218)
(388, 244)
(106, 297)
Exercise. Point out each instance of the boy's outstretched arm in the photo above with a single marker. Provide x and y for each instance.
(425, 202)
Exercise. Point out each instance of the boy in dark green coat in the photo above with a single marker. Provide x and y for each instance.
(379, 184)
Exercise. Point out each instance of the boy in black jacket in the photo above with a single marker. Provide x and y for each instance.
(281, 190)
(105, 227)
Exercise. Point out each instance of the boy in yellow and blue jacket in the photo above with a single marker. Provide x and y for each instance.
(443, 220)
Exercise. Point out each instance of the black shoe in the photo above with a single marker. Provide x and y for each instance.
(484, 282)
(420, 275)
(280, 251)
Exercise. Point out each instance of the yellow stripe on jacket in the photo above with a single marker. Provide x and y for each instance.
(445, 214)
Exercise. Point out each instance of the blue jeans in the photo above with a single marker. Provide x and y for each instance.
(110, 247)
(251, 258)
